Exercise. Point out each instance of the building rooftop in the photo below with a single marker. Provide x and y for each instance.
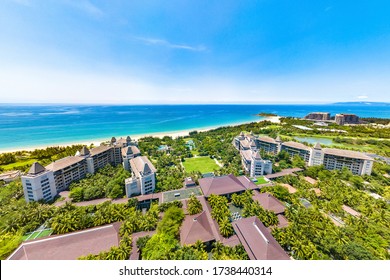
(141, 166)
(267, 139)
(346, 153)
(283, 222)
(317, 146)
(194, 228)
(351, 211)
(129, 150)
(84, 151)
(98, 150)
(257, 241)
(247, 154)
(247, 183)
(69, 246)
(269, 202)
(296, 145)
(245, 143)
(36, 168)
(221, 185)
(64, 163)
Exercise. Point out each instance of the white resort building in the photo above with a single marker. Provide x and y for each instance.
(143, 180)
(357, 162)
(46, 182)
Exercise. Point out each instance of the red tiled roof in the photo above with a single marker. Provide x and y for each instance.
(69, 246)
(283, 222)
(257, 241)
(221, 185)
(196, 227)
(247, 183)
(269, 202)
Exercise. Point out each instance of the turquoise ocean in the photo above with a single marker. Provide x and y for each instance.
(27, 126)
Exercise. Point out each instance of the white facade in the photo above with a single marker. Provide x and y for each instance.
(38, 186)
(260, 167)
(143, 180)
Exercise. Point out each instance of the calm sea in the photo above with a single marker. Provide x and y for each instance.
(32, 125)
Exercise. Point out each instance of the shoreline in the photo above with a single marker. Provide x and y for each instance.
(173, 134)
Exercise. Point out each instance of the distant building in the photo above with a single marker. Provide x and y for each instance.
(342, 119)
(39, 184)
(73, 168)
(9, 176)
(143, 179)
(319, 116)
(358, 163)
(190, 144)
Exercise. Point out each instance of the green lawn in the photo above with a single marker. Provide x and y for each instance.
(201, 164)
(18, 163)
(261, 180)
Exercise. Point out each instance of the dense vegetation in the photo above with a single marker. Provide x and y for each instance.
(311, 234)
(107, 182)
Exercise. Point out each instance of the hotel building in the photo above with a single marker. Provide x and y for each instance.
(143, 180)
(357, 162)
(61, 173)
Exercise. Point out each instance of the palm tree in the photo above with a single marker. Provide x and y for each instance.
(225, 227)
(194, 205)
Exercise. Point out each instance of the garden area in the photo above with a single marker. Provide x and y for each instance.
(201, 164)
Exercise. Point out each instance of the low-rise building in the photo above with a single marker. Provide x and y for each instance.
(257, 240)
(143, 179)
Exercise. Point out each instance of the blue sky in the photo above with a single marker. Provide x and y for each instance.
(265, 51)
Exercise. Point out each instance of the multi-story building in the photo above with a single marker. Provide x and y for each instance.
(254, 165)
(129, 153)
(269, 145)
(319, 116)
(73, 168)
(342, 119)
(295, 148)
(358, 163)
(39, 184)
(143, 179)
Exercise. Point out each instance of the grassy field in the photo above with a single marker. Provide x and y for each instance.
(37, 234)
(18, 163)
(201, 164)
(261, 180)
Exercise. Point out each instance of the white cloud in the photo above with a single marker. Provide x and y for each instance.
(164, 43)
(362, 97)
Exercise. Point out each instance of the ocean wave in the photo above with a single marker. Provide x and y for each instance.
(14, 114)
(72, 112)
(174, 119)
